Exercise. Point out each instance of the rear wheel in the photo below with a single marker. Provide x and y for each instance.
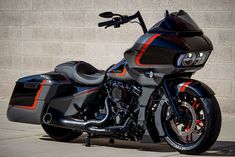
(60, 134)
(198, 128)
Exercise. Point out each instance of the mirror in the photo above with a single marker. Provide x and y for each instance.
(106, 14)
(166, 13)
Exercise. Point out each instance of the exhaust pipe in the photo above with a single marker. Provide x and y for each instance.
(110, 130)
(47, 118)
(89, 126)
(76, 124)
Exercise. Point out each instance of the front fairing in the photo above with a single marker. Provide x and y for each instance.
(177, 23)
(175, 35)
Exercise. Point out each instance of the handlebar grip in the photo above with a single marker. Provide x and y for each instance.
(106, 23)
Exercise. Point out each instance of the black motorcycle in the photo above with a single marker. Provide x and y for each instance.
(150, 89)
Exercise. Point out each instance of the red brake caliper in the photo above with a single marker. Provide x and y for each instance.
(199, 123)
(195, 107)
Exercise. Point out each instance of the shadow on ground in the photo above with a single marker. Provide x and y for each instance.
(220, 148)
(160, 147)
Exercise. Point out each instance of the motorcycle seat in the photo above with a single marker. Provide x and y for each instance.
(81, 72)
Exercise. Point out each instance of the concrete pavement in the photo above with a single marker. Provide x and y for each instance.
(25, 140)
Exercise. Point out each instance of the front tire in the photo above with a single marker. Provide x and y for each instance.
(61, 134)
(198, 129)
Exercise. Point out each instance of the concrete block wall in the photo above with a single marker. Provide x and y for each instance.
(36, 35)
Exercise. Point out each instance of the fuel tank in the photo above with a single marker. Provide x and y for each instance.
(161, 46)
(119, 71)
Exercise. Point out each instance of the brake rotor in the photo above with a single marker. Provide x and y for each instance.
(180, 128)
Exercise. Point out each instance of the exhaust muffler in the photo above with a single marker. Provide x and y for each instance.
(70, 123)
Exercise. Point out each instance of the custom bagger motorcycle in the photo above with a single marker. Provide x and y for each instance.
(150, 89)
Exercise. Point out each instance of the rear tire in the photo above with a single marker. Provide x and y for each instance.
(206, 137)
(61, 134)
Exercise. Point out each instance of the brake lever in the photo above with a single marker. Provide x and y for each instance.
(114, 19)
(118, 19)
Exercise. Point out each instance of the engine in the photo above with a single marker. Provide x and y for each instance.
(124, 98)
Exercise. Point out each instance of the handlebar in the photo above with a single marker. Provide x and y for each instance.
(117, 21)
(102, 24)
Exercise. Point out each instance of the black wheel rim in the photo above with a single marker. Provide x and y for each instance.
(191, 127)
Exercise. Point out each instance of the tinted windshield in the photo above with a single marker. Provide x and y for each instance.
(175, 22)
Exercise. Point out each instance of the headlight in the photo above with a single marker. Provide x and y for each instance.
(189, 59)
(192, 58)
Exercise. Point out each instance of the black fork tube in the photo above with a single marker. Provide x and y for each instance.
(170, 96)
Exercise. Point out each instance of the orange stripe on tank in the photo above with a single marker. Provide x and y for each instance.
(121, 74)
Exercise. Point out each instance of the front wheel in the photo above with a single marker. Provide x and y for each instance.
(198, 128)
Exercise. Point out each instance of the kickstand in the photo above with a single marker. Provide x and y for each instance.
(111, 140)
(88, 140)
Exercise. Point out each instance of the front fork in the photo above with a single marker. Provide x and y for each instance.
(144, 101)
(172, 98)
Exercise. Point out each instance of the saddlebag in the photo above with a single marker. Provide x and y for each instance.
(32, 94)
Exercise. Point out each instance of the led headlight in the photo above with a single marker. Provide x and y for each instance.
(201, 57)
(189, 59)
(193, 58)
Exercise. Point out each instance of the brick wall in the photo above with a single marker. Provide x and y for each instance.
(36, 35)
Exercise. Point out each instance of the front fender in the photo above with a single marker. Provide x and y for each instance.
(192, 87)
